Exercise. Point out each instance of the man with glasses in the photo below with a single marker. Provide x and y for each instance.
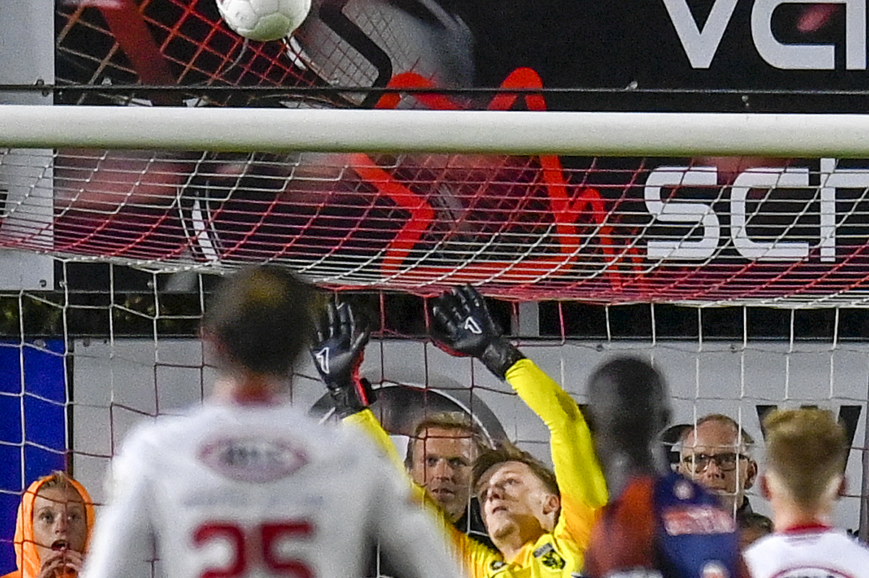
(716, 453)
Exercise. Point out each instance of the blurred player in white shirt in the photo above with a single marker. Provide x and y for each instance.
(806, 450)
(248, 486)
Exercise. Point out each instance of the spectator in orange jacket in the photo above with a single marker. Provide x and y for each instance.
(53, 528)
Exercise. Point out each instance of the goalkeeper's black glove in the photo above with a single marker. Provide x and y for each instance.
(465, 327)
(337, 348)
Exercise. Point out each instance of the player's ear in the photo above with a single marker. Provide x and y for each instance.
(751, 474)
(764, 487)
(843, 487)
(551, 504)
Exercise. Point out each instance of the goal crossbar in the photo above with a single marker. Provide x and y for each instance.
(496, 132)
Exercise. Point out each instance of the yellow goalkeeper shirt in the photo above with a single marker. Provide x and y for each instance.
(560, 553)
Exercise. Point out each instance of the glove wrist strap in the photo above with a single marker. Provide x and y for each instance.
(499, 356)
(352, 396)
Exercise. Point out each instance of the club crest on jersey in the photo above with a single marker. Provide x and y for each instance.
(683, 490)
(714, 569)
(252, 459)
(549, 557)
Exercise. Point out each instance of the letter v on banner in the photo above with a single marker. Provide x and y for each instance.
(849, 417)
(700, 44)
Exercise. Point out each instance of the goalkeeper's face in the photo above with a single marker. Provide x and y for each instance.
(442, 462)
(515, 502)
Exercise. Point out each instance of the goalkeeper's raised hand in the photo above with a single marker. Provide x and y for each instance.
(337, 348)
(464, 326)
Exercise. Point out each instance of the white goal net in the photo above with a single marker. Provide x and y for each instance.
(744, 278)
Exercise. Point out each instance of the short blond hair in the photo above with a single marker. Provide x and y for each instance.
(450, 421)
(58, 479)
(807, 449)
(507, 452)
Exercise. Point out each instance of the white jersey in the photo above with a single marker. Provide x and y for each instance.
(809, 553)
(260, 492)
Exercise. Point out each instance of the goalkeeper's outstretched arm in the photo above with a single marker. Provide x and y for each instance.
(465, 327)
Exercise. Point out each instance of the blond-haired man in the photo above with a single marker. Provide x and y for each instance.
(440, 458)
(806, 453)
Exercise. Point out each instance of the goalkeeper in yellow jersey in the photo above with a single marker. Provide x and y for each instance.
(539, 520)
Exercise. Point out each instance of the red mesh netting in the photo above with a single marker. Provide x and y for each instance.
(524, 227)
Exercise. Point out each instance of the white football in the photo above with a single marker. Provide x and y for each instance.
(264, 20)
